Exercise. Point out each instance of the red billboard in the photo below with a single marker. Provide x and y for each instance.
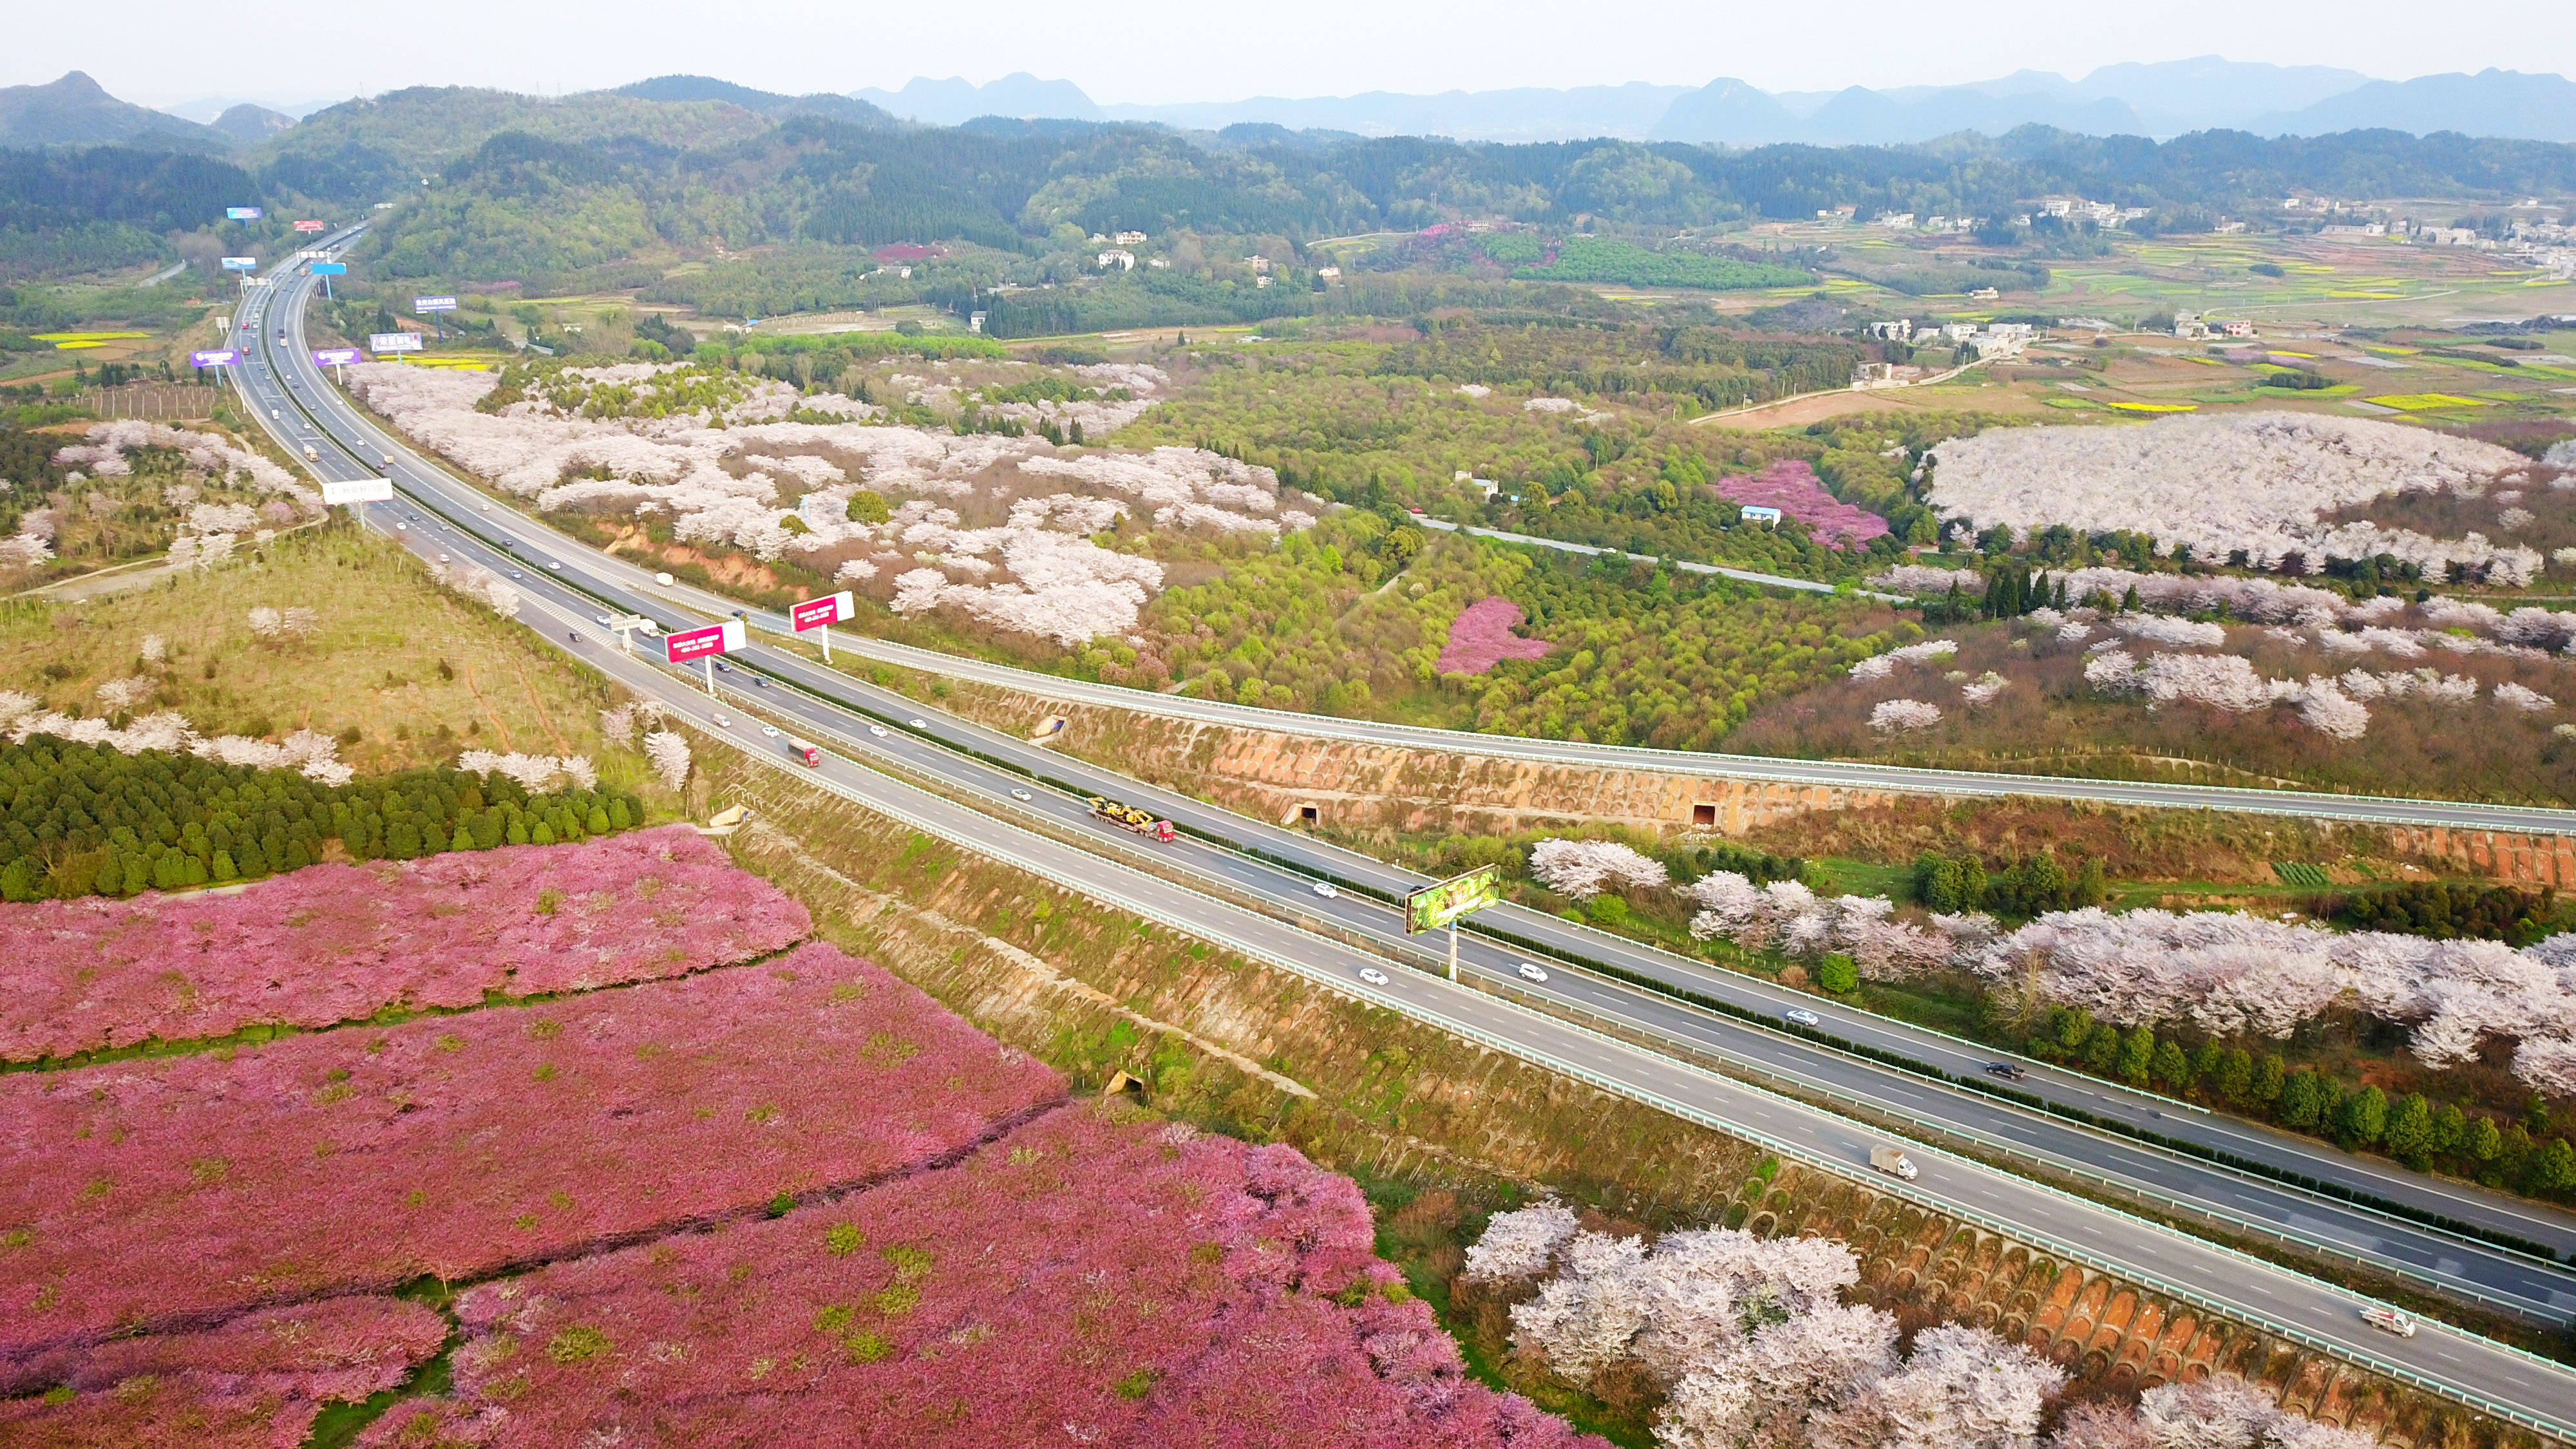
(308, 226)
(815, 613)
(690, 645)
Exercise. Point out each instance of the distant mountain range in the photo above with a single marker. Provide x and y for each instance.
(2162, 100)
(74, 111)
(2168, 98)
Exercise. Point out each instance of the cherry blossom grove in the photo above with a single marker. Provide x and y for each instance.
(2252, 484)
(532, 773)
(1788, 917)
(1753, 1346)
(1585, 868)
(1087, 1279)
(2217, 1412)
(103, 455)
(308, 752)
(480, 1139)
(2227, 974)
(2234, 974)
(1000, 530)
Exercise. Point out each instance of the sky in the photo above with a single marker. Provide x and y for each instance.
(1158, 51)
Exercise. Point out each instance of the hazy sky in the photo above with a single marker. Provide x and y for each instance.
(162, 52)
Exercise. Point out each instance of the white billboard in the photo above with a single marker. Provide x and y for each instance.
(384, 342)
(359, 490)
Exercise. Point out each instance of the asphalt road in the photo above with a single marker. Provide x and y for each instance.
(2453, 1262)
(2499, 1376)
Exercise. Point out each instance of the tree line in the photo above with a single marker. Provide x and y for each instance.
(80, 820)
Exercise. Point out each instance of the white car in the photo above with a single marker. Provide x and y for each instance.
(1531, 971)
(919, 724)
(442, 558)
(1802, 1016)
(558, 568)
(877, 730)
(724, 722)
(487, 507)
(600, 619)
(1325, 889)
(1020, 795)
(770, 730)
(2388, 1320)
(401, 527)
(1372, 976)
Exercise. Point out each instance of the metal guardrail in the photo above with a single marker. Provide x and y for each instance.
(1093, 889)
(2052, 1162)
(1400, 949)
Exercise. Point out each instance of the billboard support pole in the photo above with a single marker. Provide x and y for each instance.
(827, 643)
(710, 663)
(1453, 952)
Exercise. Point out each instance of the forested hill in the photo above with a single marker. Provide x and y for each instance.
(498, 185)
(524, 204)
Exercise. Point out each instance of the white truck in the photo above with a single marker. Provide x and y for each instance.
(1893, 1162)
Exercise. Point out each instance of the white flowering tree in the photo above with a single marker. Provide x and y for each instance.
(668, 753)
(1585, 868)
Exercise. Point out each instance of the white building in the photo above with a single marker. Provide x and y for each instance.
(1118, 257)
(1130, 238)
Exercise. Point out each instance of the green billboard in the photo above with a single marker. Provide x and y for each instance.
(1436, 906)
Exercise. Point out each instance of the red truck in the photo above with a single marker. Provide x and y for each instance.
(1128, 817)
(812, 757)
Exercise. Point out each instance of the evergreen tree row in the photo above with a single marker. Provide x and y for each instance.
(80, 820)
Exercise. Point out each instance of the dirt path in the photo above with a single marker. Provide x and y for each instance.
(562, 745)
(489, 713)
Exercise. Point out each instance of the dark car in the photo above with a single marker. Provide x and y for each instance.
(2005, 1070)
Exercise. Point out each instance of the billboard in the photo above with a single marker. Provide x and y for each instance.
(308, 226)
(241, 264)
(215, 357)
(242, 213)
(814, 613)
(335, 356)
(433, 304)
(381, 343)
(1443, 903)
(359, 490)
(329, 269)
(693, 644)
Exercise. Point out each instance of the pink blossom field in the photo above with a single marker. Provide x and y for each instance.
(257, 1382)
(175, 1191)
(334, 943)
(1080, 1281)
(1792, 487)
(788, 1201)
(1482, 637)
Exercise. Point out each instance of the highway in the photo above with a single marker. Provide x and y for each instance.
(2544, 1291)
(2500, 1376)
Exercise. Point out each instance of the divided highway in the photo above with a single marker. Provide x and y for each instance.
(308, 409)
